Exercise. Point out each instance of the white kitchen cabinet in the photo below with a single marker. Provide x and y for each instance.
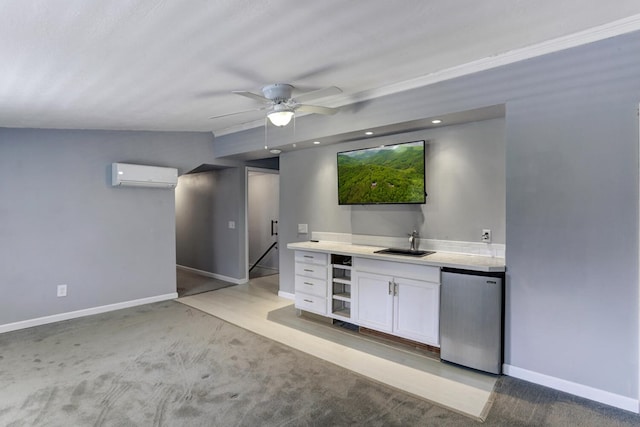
(416, 310)
(397, 298)
(402, 306)
(308, 257)
(312, 303)
(375, 301)
(340, 297)
(311, 282)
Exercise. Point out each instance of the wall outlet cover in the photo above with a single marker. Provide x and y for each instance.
(303, 228)
(232, 225)
(486, 235)
(62, 290)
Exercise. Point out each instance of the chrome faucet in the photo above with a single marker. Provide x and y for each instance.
(413, 241)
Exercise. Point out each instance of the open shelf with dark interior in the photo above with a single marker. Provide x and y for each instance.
(341, 286)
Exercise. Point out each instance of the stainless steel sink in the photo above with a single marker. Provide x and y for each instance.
(407, 252)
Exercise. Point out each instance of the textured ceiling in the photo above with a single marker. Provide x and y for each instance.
(170, 65)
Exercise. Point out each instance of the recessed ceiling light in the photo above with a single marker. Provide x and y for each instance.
(368, 133)
(316, 142)
(266, 148)
(294, 145)
(436, 121)
(275, 151)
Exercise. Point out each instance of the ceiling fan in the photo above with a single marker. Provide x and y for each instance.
(280, 104)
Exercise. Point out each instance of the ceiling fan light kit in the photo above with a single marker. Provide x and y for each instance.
(281, 115)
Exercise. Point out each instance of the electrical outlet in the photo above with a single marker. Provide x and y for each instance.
(303, 228)
(486, 235)
(232, 225)
(62, 290)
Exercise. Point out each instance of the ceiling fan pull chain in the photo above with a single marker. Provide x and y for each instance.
(266, 145)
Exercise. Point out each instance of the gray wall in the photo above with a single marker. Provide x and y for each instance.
(572, 236)
(571, 201)
(465, 167)
(63, 223)
(205, 203)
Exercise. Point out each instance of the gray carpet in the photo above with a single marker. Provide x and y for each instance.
(166, 364)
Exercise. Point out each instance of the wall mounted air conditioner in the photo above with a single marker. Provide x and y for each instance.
(125, 174)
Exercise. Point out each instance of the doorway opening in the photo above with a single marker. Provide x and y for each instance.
(263, 199)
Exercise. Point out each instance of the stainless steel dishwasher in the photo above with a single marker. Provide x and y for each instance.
(471, 319)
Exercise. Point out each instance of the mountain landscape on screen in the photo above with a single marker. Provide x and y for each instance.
(382, 175)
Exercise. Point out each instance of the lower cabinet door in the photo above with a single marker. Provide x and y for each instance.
(417, 310)
(375, 301)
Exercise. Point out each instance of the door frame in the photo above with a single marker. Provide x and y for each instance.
(246, 210)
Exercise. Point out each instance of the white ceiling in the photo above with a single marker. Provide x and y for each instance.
(170, 65)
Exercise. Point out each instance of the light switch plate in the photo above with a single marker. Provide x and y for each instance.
(303, 228)
(232, 224)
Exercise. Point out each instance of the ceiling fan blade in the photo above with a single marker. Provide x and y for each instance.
(320, 93)
(316, 109)
(238, 112)
(251, 95)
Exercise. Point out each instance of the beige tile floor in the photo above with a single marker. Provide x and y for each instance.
(255, 306)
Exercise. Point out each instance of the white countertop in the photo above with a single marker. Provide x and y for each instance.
(438, 259)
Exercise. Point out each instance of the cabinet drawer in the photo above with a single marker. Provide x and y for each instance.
(311, 303)
(317, 287)
(309, 257)
(311, 270)
(398, 269)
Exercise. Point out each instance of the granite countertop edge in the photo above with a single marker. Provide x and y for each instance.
(438, 259)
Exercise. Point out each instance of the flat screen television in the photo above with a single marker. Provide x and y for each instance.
(387, 174)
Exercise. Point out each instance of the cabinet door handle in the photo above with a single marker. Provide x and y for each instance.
(307, 283)
(395, 288)
(308, 300)
(308, 256)
(310, 271)
(390, 287)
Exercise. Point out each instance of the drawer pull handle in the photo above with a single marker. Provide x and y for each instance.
(307, 283)
(308, 256)
(308, 300)
(310, 271)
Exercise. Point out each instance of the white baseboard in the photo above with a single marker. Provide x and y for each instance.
(213, 275)
(82, 313)
(287, 295)
(608, 398)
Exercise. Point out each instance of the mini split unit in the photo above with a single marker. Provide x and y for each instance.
(125, 174)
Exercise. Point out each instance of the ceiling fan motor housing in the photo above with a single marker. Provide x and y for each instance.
(279, 92)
